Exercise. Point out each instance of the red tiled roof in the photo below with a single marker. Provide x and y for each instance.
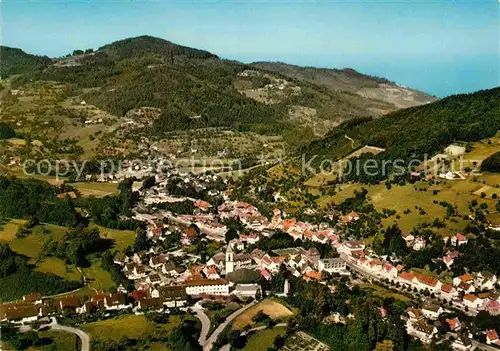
(470, 298)
(406, 276)
(447, 288)
(314, 275)
(466, 277)
(430, 281)
(139, 294)
(491, 334)
(453, 323)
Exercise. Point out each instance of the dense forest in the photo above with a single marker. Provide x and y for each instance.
(193, 88)
(146, 44)
(22, 198)
(6, 131)
(16, 61)
(492, 163)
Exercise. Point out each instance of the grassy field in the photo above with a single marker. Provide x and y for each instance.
(97, 278)
(274, 309)
(263, 339)
(129, 326)
(32, 244)
(9, 229)
(401, 198)
(58, 267)
(96, 189)
(61, 341)
(383, 292)
(122, 238)
(53, 340)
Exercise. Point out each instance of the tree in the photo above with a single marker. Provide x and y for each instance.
(141, 241)
(231, 234)
(258, 295)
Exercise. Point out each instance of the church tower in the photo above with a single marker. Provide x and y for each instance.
(229, 259)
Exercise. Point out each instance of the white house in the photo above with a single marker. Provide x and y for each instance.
(472, 301)
(247, 290)
(432, 311)
(331, 265)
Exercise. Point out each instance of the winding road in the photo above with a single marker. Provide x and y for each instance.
(205, 324)
(84, 337)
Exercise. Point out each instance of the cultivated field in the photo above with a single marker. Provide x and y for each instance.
(272, 308)
(96, 189)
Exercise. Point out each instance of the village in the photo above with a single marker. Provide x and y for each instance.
(163, 279)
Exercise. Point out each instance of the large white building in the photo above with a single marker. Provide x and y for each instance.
(331, 265)
(207, 287)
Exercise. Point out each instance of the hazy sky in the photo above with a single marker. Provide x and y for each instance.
(442, 47)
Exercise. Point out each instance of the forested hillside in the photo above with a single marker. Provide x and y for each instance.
(195, 89)
(350, 80)
(16, 61)
(417, 131)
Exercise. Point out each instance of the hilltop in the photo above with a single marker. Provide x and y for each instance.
(16, 61)
(350, 80)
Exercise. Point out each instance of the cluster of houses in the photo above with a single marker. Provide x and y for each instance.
(474, 291)
(470, 292)
(421, 324)
(33, 306)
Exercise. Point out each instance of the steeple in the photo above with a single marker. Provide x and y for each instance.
(229, 259)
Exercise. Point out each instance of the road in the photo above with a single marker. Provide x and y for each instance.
(211, 340)
(205, 323)
(84, 337)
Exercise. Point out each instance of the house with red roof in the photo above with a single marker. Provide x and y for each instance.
(458, 239)
(472, 301)
(448, 292)
(389, 271)
(453, 323)
(265, 274)
(408, 278)
(492, 337)
(210, 272)
(464, 278)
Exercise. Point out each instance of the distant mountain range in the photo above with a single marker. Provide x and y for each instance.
(196, 89)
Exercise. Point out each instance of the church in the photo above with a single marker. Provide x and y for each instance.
(236, 261)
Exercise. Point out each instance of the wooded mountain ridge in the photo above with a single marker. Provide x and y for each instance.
(196, 89)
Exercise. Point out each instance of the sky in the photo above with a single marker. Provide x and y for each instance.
(442, 47)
